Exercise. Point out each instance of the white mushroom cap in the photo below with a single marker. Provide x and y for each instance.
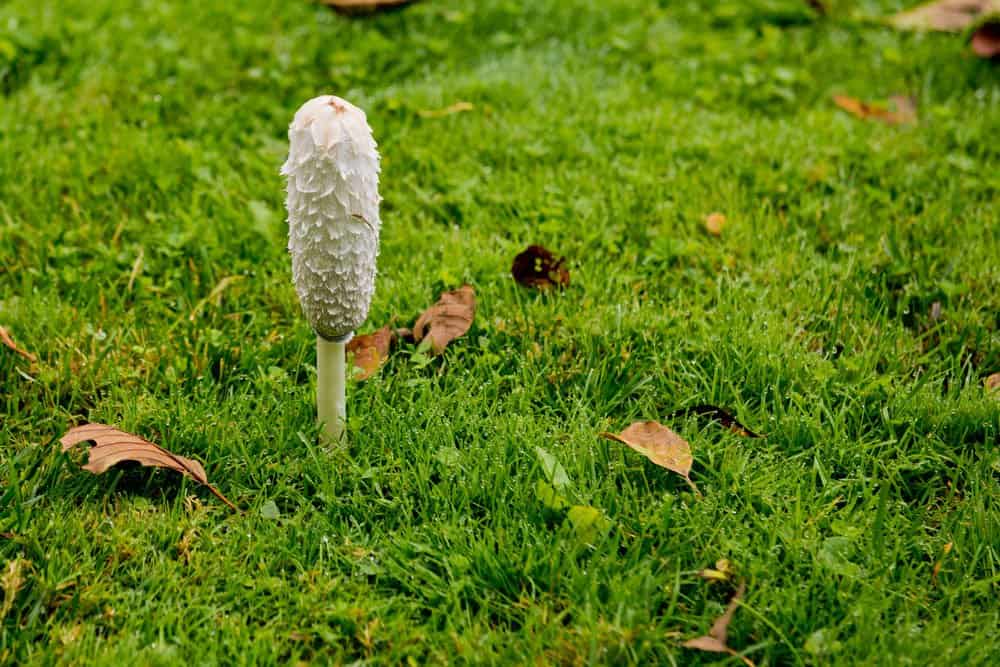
(333, 213)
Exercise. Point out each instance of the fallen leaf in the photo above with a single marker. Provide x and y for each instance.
(660, 445)
(370, 351)
(905, 112)
(944, 15)
(715, 413)
(448, 319)
(6, 339)
(723, 571)
(993, 383)
(112, 447)
(715, 640)
(538, 267)
(986, 40)
(457, 107)
(714, 223)
(357, 7)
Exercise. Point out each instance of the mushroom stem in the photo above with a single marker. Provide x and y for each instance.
(331, 396)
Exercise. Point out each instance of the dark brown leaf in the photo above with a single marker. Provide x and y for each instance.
(945, 15)
(7, 340)
(370, 351)
(715, 640)
(715, 413)
(112, 447)
(660, 445)
(448, 319)
(360, 7)
(986, 40)
(538, 267)
(905, 109)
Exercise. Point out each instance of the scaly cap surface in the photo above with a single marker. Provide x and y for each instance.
(333, 213)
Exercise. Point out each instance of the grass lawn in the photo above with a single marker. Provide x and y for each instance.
(849, 311)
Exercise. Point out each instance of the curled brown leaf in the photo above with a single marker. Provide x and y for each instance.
(537, 267)
(370, 351)
(448, 319)
(715, 640)
(660, 445)
(112, 447)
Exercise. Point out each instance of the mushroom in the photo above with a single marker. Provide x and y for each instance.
(333, 232)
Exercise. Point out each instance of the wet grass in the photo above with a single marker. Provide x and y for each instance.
(849, 310)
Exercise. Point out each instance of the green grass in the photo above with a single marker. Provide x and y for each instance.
(139, 152)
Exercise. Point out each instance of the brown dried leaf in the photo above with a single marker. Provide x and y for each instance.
(715, 640)
(660, 445)
(370, 351)
(714, 223)
(538, 267)
(358, 7)
(112, 447)
(457, 107)
(905, 113)
(448, 319)
(944, 15)
(7, 340)
(992, 384)
(986, 40)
